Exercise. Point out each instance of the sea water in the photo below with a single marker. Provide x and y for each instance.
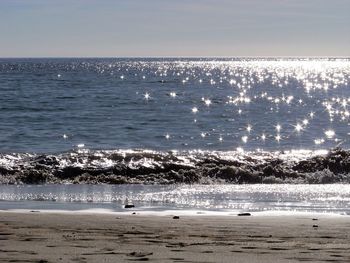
(225, 199)
(54, 105)
(172, 121)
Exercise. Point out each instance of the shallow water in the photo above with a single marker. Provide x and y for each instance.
(334, 199)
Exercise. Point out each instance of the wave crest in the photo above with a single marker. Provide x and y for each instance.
(151, 167)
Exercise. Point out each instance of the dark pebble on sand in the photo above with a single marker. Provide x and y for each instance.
(129, 206)
(176, 217)
(244, 214)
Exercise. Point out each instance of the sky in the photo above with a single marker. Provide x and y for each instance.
(158, 28)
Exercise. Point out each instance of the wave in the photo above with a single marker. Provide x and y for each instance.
(175, 167)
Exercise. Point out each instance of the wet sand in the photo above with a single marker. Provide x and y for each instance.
(49, 237)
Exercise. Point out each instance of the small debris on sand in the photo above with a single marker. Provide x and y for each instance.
(244, 214)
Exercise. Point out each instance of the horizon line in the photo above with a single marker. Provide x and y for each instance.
(160, 57)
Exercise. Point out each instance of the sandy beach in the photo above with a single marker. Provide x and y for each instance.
(53, 237)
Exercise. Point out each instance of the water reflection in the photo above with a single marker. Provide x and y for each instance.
(312, 198)
(275, 104)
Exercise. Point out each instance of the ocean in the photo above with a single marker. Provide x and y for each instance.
(174, 121)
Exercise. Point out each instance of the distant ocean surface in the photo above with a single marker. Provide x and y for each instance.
(172, 120)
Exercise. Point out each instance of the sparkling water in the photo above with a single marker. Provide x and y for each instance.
(55, 105)
(229, 199)
(165, 117)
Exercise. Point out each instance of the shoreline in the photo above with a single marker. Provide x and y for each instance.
(66, 237)
(194, 213)
(187, 200)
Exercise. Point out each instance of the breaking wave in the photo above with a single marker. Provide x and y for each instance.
(186, 167)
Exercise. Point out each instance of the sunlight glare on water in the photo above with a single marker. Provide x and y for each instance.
(269, 104)
(326, 198)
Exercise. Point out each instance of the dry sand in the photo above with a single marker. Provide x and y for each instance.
(47, 237)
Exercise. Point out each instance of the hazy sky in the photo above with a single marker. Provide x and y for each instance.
(56, 28)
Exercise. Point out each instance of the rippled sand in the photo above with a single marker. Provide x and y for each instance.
(39, 237)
